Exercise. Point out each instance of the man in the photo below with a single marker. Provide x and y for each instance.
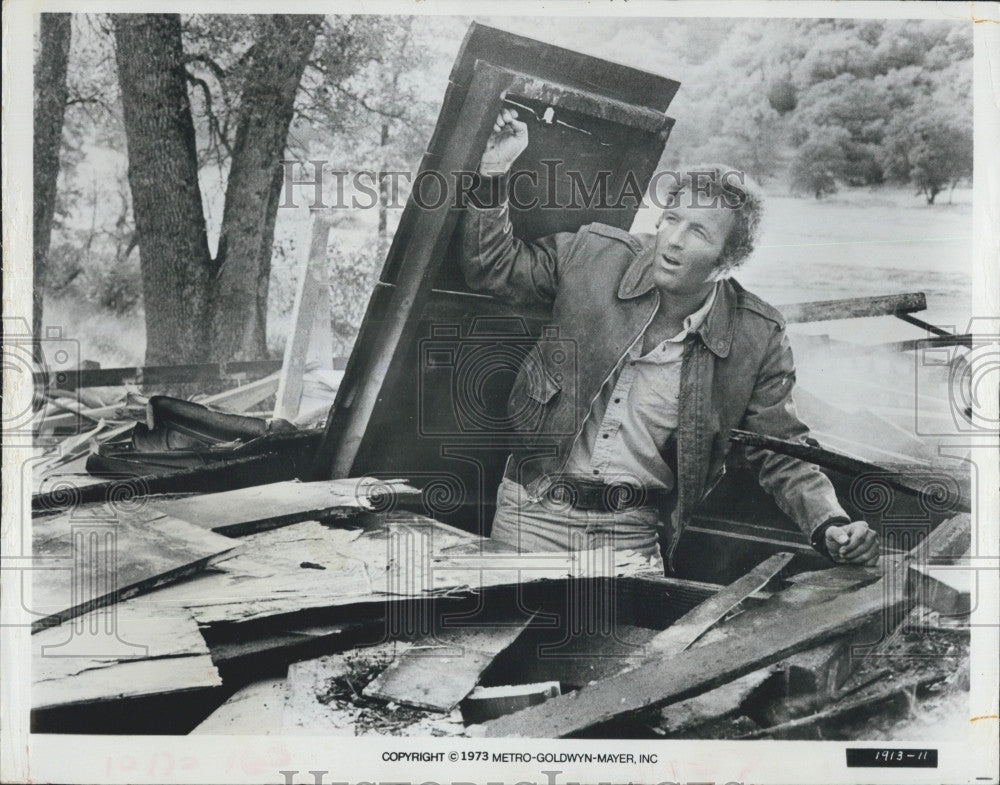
(671, 355)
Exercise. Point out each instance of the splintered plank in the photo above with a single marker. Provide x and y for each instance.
(311, 309)
(687, 629)
(690, 717)
(911, 480)
(440, 673)
(691, 672)
(946, 588)
(83, 562)
(118, 652)
(247, 510)
(853, 308)
(664, 681)
(255, 710)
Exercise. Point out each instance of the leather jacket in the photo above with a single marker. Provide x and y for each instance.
(737, 369)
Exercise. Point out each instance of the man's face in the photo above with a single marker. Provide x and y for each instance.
(689, 242)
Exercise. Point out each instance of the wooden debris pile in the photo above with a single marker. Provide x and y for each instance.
(316, 610)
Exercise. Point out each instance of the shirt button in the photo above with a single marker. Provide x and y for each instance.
(597, 471)
(618, 400)
(604, 436)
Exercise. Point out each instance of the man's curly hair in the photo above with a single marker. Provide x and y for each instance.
(725, 186)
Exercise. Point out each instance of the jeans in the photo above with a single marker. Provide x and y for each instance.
(548, 525)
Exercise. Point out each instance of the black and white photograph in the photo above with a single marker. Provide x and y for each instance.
(477, 393)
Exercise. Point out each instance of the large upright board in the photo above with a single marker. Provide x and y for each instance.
(424, 391)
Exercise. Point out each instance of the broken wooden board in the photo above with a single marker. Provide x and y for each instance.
(945, 588)
(286, 643)
(686, 630)
(310, 333)
(309, 568)
(254, 710)
(854, 308)
(820, 669)
(247, 510)
(440, 673)
(287, 570)
(118, 652)
(486, 703)
(691, 672)
(84, 561)
(695, 671)
(871, 702)
(689, 718)
(911, 479)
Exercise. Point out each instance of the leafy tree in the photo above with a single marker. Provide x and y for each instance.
(932, 152)
(816, 166)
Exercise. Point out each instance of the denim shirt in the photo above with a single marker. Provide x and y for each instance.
(634, 415)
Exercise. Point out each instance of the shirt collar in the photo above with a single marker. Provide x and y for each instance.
(694, 321)
(716, 327)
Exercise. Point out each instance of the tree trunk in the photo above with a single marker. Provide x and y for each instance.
(239, 292)
(163, 176)
(50, 108)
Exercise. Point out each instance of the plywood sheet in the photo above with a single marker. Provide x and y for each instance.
(310, 566)
(84, 561)
(440, 673)
(254, 710)
(118, 652)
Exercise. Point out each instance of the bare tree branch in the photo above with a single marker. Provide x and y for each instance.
(213, 122)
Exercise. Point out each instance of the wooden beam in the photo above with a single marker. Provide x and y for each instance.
(918, 481)
(913, 345)
(692, 672)
(946, 589)
(190, 373)
(853, 308)
(312, 304)
(931, 328)
(258, 508)
(687, 629)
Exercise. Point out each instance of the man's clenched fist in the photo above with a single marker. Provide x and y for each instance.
(506, 143)
(852, 543)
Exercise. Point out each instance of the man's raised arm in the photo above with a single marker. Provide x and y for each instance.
(493, 260)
